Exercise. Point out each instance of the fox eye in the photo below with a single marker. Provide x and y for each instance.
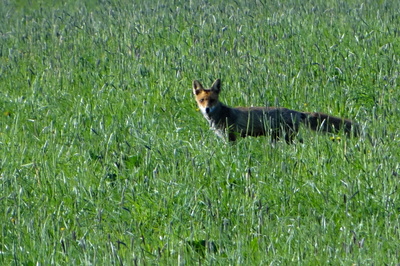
(201, 100)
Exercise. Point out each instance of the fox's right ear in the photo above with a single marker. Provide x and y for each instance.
(197, 87)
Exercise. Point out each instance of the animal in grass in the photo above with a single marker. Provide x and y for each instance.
(258, 121)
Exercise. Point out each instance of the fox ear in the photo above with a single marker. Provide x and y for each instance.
(197, 87)
(216, 87)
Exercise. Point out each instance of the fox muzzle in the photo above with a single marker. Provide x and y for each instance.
(210, 110)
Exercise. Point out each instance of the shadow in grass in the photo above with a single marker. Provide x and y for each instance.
(201, 246)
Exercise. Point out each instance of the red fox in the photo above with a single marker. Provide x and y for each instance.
(259, 121)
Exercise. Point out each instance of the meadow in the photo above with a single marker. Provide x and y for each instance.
(105, 159)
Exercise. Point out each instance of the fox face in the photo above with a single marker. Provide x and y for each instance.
(207, 99)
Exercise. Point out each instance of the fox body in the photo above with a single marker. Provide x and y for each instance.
(259, 121)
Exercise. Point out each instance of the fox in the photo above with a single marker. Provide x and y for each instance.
(278, 122)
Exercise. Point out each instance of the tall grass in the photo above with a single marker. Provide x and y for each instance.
(104, 158)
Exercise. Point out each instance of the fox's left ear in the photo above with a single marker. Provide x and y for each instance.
(197, 87)
(216, 87)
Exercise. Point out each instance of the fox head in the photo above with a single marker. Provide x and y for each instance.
(207, 99)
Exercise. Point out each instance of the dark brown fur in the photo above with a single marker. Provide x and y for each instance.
(259, 121)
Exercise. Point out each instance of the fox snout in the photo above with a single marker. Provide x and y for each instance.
(208, 110)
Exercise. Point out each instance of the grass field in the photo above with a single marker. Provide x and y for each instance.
(105, 160)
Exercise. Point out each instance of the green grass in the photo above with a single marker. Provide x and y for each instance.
(104, 158)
